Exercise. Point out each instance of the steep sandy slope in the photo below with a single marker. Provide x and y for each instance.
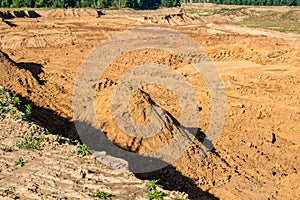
(52, 169)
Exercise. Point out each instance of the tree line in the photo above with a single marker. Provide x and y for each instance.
(137, 4)
(258, 2)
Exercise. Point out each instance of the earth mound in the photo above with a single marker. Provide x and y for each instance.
(15, 76)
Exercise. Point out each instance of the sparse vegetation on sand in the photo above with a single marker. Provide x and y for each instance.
(153, 187)
(83, 150)
(19, 162)
(283, 22)
(101, 195)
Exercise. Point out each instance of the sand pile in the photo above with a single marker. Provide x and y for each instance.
(148, 97)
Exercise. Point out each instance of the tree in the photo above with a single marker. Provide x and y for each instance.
(6, 3)
(170, 3)
(132, 3)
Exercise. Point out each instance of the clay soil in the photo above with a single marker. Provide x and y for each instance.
(257, 155)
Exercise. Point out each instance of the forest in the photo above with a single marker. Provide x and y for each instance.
(136, 4)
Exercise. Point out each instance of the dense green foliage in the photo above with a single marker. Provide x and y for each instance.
(138, 4)
(259, 2)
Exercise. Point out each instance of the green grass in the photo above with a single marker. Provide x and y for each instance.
(31, 142)
(6, 108)
(228, 11)
(101, 195)
(222, 11)
(270, 20)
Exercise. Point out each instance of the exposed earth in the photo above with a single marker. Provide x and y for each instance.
(257, 155)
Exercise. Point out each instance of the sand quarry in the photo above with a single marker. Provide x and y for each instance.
(256, 157)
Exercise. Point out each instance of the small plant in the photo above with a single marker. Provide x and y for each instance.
(27, 114)
(15, 100)
(11, 110)
(83, 150)
(7, 149)
(102, 195)
(21, 116)
(157, 195)
(153, 185)
(28, 111)
(19, 162)
(8, 192)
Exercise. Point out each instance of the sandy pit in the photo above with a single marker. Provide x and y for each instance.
(257, 155)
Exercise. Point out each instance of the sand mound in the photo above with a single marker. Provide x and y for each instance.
(13, 76)
(149, 97)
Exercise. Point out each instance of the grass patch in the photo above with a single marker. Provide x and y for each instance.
(270, 20)
(31, 142)
(10, 103)
(228, 11)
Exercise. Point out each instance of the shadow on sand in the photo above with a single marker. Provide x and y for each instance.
(169, 177)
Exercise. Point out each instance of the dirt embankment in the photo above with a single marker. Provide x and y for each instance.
(19, 14)
(50, 167)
